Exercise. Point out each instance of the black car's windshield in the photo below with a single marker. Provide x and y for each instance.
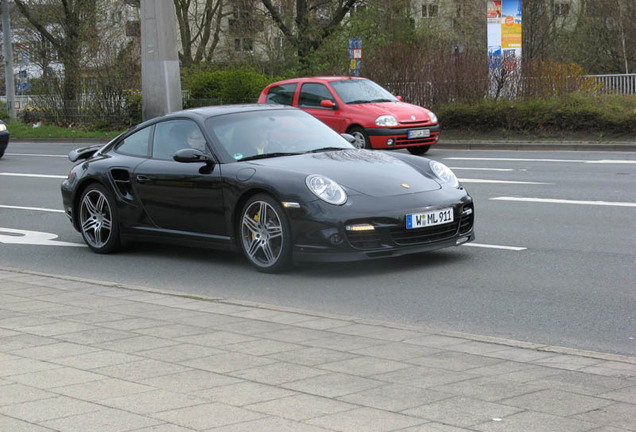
(359, 91)
(260, 134)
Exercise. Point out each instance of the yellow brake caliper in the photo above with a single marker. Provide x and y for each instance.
(257, 216)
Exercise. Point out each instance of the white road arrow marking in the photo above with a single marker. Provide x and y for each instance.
(32, 208)
(15, 236)
(32, 175)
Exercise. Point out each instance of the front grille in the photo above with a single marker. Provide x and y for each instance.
(415, 141)
(365, 240)
(408, 237)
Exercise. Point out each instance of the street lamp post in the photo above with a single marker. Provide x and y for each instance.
(8, 59)
(160, 77)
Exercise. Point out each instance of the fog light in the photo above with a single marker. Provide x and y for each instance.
(436, 138)
(336, 239)
(360, 227)
(390, 142)
(461, 240)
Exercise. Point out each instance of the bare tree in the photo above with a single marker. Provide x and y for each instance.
(199, 24)
(604, 40)
(68, 25)
(313, 21)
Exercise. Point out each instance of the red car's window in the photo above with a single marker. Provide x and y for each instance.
(282, 94)
(361, 91)
(311, 94)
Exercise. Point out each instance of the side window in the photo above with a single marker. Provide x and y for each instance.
(174, 135)
(137, 144)
(282, 94)
(312, 94)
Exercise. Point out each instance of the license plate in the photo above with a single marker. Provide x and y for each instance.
(419, 133)
(431, 218)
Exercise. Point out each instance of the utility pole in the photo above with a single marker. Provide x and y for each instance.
(8, 59)
(160, 76)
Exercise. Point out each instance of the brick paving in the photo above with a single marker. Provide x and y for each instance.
(79, 355)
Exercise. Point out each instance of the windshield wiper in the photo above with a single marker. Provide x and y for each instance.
(268, 155)
(381, 100)
(358, 101)
(325, 149)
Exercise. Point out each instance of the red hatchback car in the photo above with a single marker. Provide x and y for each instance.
(359, 107)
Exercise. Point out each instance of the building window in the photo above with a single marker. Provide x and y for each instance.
(244, 45)
(430, 10)
(562, 9)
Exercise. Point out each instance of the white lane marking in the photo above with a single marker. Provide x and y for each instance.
(36, 154)
(33, 175)
(463, 180)
(33, 238)
(562, 201)
(32, 208)
(488, 246)
(485, 169)
(602, 161)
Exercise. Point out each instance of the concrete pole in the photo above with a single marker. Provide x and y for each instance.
(160, 78)
(8, 59)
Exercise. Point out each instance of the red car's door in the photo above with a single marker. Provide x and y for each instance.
(309, 98)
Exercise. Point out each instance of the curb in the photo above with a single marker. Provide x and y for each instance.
(460, 335)
(621, 146)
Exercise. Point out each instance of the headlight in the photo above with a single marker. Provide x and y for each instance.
(3, 127)
(432, 116)
(326, 189)
(386, 121)
(444, 173)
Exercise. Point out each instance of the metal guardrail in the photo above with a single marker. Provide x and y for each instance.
(619, 84)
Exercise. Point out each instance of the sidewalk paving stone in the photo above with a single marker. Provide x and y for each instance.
(79, 355)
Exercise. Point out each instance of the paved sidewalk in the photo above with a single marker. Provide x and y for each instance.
(78, 355)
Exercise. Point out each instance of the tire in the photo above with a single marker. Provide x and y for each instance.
(264, 234)
(98, 220)
(362, 139)
(419, 150)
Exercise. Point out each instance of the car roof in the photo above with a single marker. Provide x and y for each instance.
(212, 111)
(323, 79)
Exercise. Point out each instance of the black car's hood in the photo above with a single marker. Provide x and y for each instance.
(372, 173)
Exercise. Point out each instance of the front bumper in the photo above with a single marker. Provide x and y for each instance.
(388, 138)
(328, 239)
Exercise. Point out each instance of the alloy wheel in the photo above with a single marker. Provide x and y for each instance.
(262, 234)
(96, 220)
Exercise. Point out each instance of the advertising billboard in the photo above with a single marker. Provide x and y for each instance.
(504, 33)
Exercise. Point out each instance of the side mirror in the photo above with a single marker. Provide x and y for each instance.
(348, 137)
(399, 98)
(189, 155)
(326, 103)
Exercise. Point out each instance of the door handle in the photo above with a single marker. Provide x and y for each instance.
(142, 179)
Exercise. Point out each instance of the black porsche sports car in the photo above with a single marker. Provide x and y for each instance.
(270, 181)
(4, 137)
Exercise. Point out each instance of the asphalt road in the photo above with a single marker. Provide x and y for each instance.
(553, 263)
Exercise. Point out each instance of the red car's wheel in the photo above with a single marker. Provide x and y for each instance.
(361, 137)
(419, 150)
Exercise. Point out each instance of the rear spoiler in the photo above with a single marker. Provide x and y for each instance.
(84, 152)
